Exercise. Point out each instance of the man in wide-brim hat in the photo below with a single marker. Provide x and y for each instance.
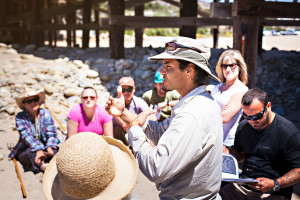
(38, 137)
(90, 166)
(186, 162)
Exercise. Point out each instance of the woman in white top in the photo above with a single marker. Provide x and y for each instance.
(232, 71)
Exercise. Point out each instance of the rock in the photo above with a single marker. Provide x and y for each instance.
(30, 48)
(10, 110)
(146, 74)
(1, 156)
(48, 89)
(26, 56)
(71, 92)
(92, 74)
(105, 77)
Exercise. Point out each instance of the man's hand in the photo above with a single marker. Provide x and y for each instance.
(225, 149)
(40, 156)
(141, 118)
(50, 152)
(264, 184)
(115, 106)
(161, 105)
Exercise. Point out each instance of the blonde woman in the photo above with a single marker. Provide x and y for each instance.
(89, 117)
(232, 71)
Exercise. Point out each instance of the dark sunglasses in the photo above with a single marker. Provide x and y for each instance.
(232, 65)
(256, 116)
(29, 101)
(172, 46)
(91, 98)
(127, 90)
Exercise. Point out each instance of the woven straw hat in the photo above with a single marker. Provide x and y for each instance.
(29, 93)
(190, 55)
(89, 166)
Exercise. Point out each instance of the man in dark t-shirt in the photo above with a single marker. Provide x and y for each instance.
(269, 146)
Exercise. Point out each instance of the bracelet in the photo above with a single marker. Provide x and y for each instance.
(168, 103)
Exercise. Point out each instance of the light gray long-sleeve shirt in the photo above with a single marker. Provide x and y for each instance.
(187, 160)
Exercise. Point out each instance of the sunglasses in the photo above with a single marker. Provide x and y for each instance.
(91, 98)
(127, 90)
(256, 116)
(172, 46)
(232, 66)
(29, 101)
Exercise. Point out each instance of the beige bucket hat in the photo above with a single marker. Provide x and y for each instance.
(29, 92)
(196, 52)
(90, 166)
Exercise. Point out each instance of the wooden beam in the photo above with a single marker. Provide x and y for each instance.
(220, 9)
(135, 3)
(174, 3)
(266, 9)
(87, 10)
(273, 22)
(139, 11)
(189, 9)
(167, 22)
(96, 7)
(116, 33)
(49, 12)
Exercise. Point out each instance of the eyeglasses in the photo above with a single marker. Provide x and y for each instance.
(29, 101)
(232, 66)
(172, 46)
(256, 116)
(127, 90)
(91, 98)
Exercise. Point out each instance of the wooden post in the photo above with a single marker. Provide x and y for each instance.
(215, 37)
(36, 36)
(69, 21)
(116, 32)
(189, 9)
(86, 20)
(139, 11)
(96, 14)
(3, 14)
(245, 27)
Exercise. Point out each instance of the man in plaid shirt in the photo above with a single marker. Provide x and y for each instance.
(38, 138)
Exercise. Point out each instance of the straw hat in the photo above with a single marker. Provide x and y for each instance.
(190, 55)
(29, 93)
(89, 166)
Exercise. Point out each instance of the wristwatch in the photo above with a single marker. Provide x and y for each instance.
(276, 185)
(168, 103)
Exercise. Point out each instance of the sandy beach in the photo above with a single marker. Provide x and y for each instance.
(144, 190)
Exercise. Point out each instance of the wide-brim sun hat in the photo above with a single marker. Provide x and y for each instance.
(90, 166)
(29, 92)
(199, 57)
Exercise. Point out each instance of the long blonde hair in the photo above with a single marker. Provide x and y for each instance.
(235, 54)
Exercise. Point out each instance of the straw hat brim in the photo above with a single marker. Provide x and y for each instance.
(169, 55)
(120, 187)
(40, 93)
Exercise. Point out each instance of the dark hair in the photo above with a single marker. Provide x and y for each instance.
(201, 77)
(89, 87)
(255, 93)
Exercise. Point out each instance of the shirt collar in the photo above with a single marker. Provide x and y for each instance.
(183, 101)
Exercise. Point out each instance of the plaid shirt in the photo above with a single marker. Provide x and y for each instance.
(27, 132)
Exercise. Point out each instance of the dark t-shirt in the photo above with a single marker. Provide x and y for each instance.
(270, 153)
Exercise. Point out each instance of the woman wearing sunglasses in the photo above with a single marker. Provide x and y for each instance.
(88, 116)
(38, 137)
(232, 71)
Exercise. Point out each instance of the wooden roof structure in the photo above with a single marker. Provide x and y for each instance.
(27, 21)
